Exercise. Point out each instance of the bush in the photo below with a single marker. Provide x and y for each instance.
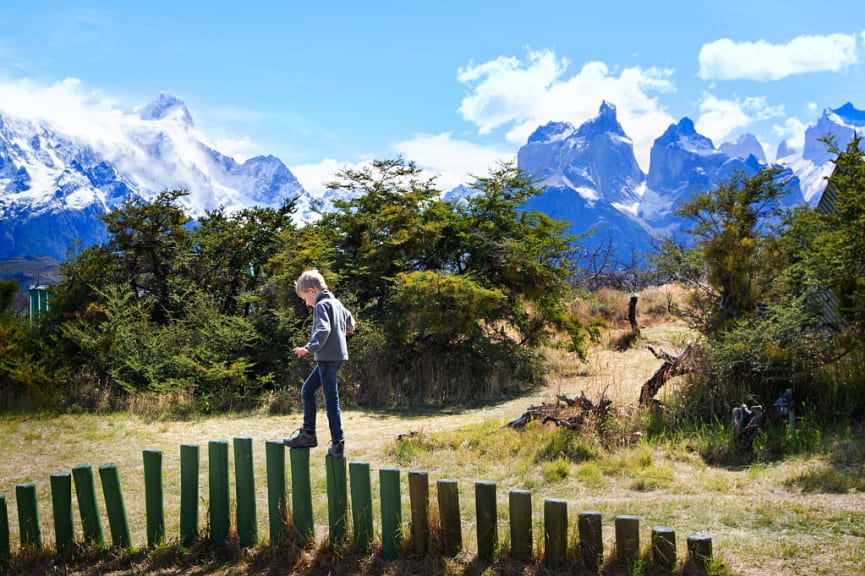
(380, 374)
(755, 361)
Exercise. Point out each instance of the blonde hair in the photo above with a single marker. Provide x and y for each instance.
(309, 279)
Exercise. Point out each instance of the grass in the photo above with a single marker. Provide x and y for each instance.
(800, 515)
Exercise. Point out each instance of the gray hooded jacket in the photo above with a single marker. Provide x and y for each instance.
(331, 322)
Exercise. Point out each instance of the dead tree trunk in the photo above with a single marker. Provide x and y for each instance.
(632, 314)
(672, 366)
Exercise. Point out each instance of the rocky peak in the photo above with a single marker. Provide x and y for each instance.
(551, 132)
(605, 122)
(744, 146)
(167, 106)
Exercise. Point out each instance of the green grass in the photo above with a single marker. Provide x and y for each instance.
(800, 514)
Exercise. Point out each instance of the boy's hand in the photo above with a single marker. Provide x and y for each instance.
(300, 352)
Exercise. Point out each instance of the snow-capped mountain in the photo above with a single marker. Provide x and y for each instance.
(594, 181)
(813, 163)
(746, 145)
(591, 178)
(54, 186)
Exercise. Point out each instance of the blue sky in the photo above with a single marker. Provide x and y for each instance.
(455, 86)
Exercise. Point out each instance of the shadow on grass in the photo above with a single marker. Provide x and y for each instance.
(427, 410)
(287, 559)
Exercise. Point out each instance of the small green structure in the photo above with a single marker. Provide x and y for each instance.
(39, 298)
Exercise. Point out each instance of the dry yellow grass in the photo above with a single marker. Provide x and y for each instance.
(761, 524)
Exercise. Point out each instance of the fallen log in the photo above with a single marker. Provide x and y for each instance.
(572, 423)
(533, 413)
(573, 415)
(581, 401)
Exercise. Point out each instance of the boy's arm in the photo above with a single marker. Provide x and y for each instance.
(320, 328)
(350, 326)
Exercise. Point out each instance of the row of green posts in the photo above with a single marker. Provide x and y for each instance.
(627, 545)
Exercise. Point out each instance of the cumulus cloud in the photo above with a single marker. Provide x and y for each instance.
(66, 105)
(725, 59)
(72, 109)
(505, 90)
(793, 131)
(454, 162)
(719, 118)
(240, 148)
(313, 177)
(521, 95)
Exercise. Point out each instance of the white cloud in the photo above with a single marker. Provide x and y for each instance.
(454, 161)
(240, 148)
(508, 92)
(720, 118)
(313, 177)
(793, 131)
(505, 91)
(725, 59)
(66, 105)
(71, 109)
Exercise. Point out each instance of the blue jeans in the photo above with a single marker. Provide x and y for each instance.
(323, 376)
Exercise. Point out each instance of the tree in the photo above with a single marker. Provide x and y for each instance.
(230, 252)
(380, 229)
(828, 244)
(149, 243)
(734, 242)
(524, 253)
(480, 280)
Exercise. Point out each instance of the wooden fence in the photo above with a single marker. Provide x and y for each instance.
(298, 520)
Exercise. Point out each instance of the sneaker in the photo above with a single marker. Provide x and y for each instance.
(303, 439)
(337, 449)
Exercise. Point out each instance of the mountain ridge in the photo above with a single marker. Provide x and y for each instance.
(54, 186)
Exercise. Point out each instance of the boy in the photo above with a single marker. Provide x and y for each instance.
(331, 322)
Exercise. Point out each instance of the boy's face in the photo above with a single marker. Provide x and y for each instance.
(309, 295)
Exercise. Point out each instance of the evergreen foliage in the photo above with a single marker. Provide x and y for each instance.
(767, 287)
(454, 298)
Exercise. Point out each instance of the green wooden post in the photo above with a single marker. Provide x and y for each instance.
(418, 492)
(247, 524)
(391, 512)
(61, 506)
(337, 498)
(276, 501)
(627, 539)
(153, 497)
(220, 512)
(190, 461)
(700, 550)
(28, 515)
(361, 504)
(449, 511)
(520, 507)
(485, 508)
(664, 547)
(85, 490)
(591, 539)
(117, 522)
(301, 496)
(555, 532)
(5, 552)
